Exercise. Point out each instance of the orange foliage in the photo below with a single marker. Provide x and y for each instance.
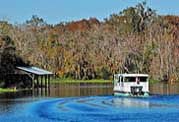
(60, 73)
(83, 24)
(172, 19)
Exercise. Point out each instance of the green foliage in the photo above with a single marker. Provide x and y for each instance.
(35, 21)
(8, 57)
(139, 17)
(136, 40)
(2, 90)
(69, 80)
(4, 27)
(134, 19)
(153, 80)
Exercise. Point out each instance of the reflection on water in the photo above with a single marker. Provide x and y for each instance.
(86, 89)
(84, 103)
(65, 90)
(80, 89)
(128, 102)
(160, 108)
(11, 100)
(164, 88)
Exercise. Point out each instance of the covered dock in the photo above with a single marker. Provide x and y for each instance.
(40, 78)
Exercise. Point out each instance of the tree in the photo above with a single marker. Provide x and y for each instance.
(8, 57)
(35, 21)
(134, 19)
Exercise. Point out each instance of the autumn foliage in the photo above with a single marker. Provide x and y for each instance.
(136, 40)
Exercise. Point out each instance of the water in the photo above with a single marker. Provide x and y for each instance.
(84, 103)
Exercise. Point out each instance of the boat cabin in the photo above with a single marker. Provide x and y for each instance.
(131, 85)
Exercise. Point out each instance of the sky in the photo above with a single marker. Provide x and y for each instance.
(56, 11)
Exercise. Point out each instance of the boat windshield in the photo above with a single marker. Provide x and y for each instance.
(134, 79)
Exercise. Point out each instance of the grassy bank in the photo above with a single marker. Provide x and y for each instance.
(2, 90)
(62, 80)
(153, 81)
(68, 80)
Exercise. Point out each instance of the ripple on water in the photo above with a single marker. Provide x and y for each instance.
(96, 109)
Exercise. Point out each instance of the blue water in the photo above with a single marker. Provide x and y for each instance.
(159, 108)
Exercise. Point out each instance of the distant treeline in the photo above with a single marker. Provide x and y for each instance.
(136, 40)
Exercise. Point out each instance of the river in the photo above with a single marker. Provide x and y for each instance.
(90, 102)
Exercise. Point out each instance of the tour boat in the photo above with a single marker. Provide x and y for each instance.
(131, 85)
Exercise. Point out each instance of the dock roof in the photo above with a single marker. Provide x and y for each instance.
(34, 70)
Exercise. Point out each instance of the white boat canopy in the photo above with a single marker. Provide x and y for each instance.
(133, 75)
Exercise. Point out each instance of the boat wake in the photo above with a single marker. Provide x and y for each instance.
(97, 109)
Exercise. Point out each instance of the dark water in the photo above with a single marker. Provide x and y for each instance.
(164, 88)
(94, 103)
(65, 90)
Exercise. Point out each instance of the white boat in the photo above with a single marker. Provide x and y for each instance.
(131, 85)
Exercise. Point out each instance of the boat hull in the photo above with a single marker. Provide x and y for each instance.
(145, 94)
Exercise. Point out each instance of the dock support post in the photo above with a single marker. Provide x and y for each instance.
(33, 78)
(37, 82)
(32, 83)
(41, 81)
(49, 81)
(45, 81)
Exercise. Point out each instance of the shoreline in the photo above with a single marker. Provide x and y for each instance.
(61, 80)
(3, 90)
